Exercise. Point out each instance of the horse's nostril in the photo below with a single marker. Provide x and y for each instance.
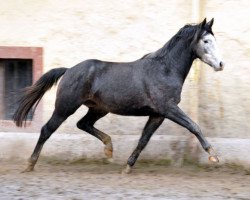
(221, 64)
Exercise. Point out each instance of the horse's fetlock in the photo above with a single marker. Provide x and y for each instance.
(208, 148)
(107, 140)
(131, 161)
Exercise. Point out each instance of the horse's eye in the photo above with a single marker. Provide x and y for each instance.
(205, 41)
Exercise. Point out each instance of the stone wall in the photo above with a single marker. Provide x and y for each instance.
(224, 100)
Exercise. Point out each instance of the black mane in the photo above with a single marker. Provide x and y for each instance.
(185, 33)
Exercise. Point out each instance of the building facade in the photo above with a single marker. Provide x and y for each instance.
(37, 36)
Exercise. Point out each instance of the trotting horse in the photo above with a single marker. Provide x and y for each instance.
(150, 86)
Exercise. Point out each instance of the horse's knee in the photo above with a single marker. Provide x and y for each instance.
(195, 129)
(80, 125)
(83, 126)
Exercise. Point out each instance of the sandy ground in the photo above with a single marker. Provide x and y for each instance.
(85, 179)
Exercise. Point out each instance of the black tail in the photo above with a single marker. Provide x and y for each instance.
(33, 94)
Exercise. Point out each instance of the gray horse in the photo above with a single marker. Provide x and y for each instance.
(150, 86)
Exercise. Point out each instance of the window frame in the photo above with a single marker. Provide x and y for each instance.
(36, 55)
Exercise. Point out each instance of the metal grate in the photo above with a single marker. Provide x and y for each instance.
(17, 75)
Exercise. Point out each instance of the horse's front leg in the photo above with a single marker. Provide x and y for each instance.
(151, 126)
(175, 114)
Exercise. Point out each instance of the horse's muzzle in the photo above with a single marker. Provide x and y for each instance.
(222, 64)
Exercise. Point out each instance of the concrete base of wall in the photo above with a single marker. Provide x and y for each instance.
(19, 146)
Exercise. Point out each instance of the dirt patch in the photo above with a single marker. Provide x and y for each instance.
(98, 179)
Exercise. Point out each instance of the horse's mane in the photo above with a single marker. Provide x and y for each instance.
(187, 32)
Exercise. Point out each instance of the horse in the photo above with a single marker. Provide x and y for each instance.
(150, 86)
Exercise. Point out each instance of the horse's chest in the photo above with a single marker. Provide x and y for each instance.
(165, 92)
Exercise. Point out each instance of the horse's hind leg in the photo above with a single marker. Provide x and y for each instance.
(87, 124)
(151, 126)
(47, 130)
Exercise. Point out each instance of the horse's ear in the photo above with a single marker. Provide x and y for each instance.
(200, 30)
(210, 23)
(203, 23)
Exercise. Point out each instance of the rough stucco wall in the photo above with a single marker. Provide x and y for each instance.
(72, 31)
(224, 106)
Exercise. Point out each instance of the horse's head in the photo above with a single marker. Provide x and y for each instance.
(205, 47)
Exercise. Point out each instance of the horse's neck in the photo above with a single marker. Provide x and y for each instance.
(179, 59)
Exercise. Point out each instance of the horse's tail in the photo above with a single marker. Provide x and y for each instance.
(33, 94)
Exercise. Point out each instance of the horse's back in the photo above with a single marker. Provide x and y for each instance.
(113, 86)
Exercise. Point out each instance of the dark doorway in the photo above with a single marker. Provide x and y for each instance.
(15, 74)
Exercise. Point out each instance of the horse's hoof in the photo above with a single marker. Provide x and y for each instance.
(28, 169)
(213, 158)
(108, 152)
(127, 170)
